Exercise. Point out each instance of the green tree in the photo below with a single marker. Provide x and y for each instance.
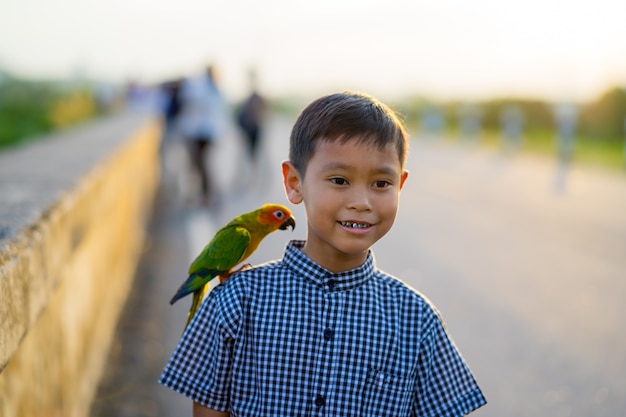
(604, 118)
(23, 110)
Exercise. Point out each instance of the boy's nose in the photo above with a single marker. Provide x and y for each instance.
(359, 200)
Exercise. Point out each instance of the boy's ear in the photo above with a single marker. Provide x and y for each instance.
(405, 175)
(292, 182)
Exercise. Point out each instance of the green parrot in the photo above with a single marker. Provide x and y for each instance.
(230, 246)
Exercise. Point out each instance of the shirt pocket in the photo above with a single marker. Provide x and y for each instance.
(386, 394)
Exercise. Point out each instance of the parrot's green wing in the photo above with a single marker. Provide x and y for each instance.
(223, 252)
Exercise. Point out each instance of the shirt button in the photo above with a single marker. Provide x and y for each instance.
(320, 401)
(331, 283)
(329, 334)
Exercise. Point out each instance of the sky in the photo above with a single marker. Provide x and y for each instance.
(443, 49)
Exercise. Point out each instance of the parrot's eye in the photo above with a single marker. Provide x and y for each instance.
(279, 214)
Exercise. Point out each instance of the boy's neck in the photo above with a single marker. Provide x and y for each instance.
(335, 262)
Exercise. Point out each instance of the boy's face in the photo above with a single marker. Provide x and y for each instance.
(351, 193)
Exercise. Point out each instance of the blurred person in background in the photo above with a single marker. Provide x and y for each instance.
(170, 106)
(250, 118)
(203, 121)
(171, 148)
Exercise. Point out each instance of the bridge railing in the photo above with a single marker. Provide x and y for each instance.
(73, 215)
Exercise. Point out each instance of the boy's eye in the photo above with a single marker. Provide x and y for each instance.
(338, 181)
(382, 184)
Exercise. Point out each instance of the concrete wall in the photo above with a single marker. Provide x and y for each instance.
(73, 215)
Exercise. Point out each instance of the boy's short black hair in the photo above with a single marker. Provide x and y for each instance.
(345, 116)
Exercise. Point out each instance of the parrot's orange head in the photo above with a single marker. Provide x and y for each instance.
(276, 215)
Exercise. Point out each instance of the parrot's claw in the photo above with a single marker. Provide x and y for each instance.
(224, 277)
(244, 267)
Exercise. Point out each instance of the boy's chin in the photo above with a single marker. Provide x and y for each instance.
(352, 249)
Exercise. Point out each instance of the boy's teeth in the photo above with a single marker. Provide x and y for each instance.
(353, 224)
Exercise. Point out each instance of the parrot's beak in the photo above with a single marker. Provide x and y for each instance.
(290, 222)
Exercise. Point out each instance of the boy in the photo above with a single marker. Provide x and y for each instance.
(322, 331)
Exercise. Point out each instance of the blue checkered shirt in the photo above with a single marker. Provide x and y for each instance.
(290, 338)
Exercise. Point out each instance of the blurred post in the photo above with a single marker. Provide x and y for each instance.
(566, 115)
(470, 116)
(512, 125)
(432, 122)
(624, 141)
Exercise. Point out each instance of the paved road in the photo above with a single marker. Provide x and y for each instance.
(526, 265)
(529, 276)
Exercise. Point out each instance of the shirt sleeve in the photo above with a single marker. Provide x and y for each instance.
(200, 367)
(446, 386)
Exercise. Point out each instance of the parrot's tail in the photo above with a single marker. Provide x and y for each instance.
(198, 296)
(194, 282)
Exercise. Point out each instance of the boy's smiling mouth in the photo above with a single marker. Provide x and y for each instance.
(355, 225)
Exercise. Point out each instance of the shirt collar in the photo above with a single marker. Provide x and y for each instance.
(320, 276)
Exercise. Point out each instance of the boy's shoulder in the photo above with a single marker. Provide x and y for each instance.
(400, 288)
(271, 267)
(414, 307)
(261, 272)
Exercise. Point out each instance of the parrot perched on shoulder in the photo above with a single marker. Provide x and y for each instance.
(230, 246)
